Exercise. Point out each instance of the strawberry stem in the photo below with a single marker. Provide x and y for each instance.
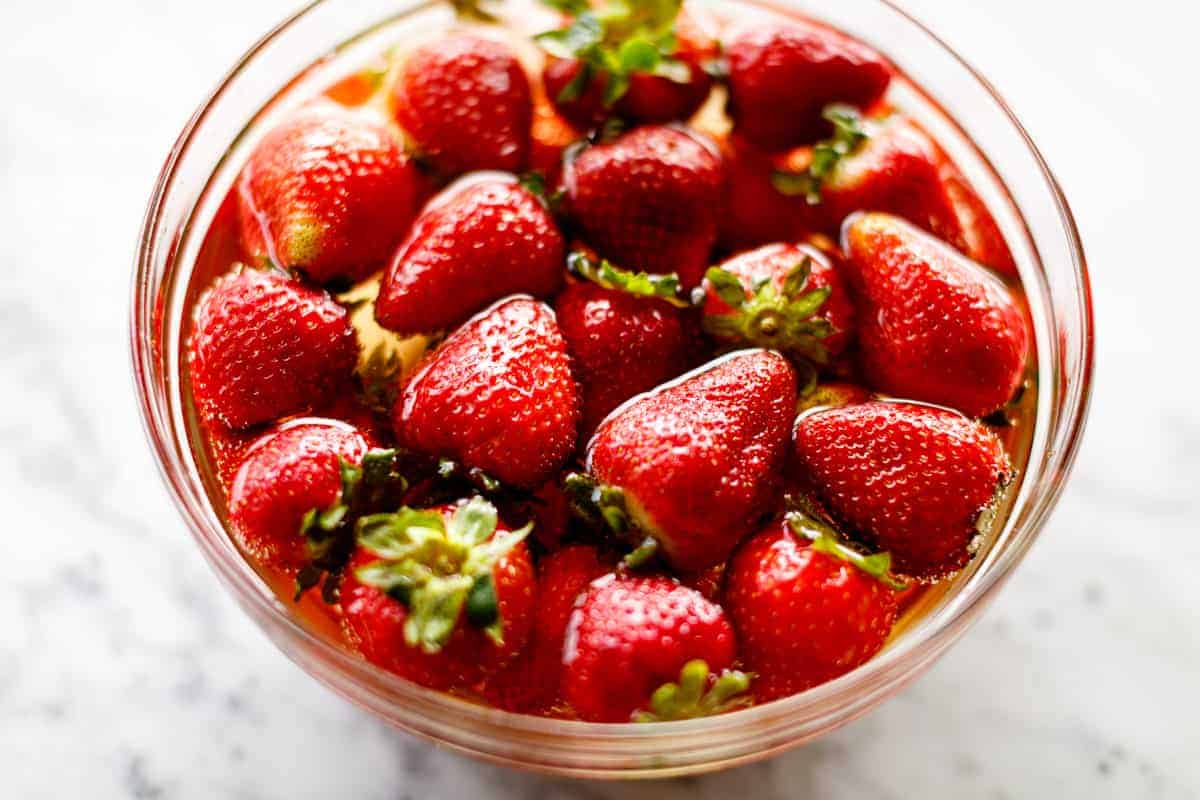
(439, 568)
(698, 693)
(849, 134)
(826, 540)
(640, 284)
(617, 40)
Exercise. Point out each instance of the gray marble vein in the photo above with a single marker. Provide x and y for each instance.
(125, 672)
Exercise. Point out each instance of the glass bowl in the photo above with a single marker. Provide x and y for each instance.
(962, 110)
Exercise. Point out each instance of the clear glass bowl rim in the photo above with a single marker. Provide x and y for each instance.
(572, 747)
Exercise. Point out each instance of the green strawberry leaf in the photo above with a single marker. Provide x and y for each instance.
(693, 697)
(619, 39)
(850, 132)
(663, 287)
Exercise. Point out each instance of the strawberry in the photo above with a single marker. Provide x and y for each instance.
(912, 480)
(443, 597)
(497, 395)
(783, 75)
(649, 200)
(621, 345)
(629, 65)
(891, 165)
(629, 638)
(329, 193)
(472, 245)
(265, 346)
(934, 326)
(531, 684)
(465, 102)
(287, 473)
(806, 610)
(782, 296)
(694, 464)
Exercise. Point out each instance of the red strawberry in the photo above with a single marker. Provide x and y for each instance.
(909, 479)
(497, 395)
(754, 212)
(443, 597)
(783, 296)
(781, 77)
(805, 611)
(645, 97)
(265, 346)
(472, 245)
(934, 326)
(982, 238)
(621, 345)
(531, 684)
(891, 166)
(696, 462)
(329, 192)
(649, 200)
(630, 637)
(465, 102)
(286, 474)
(896, 171)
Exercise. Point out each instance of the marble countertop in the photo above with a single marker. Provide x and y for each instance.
(125, 672)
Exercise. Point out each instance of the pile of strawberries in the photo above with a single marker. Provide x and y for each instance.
(621, 483)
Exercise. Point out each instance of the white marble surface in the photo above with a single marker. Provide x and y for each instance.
(126, 673)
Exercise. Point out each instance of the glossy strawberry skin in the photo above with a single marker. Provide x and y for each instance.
(621, 345)
(287, 473)
(531, 684)
(802, 617)
(374, 624)
(497, 395)
(472, 245)
(934, 326)
(908, 479)
(329, 193)
(265, 346)
(630, 635)
(783, 75)
(465, 101)
(649, 200)
(698, 461)
(775, 262)
(898, 171)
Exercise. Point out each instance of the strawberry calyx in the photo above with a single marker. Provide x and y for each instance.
(809, 526)
(762, 315)
(617, 39)
(440, 567)
(850, 132)
(607, 275)
(597, 503)
(329, 532)
(698, 693)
